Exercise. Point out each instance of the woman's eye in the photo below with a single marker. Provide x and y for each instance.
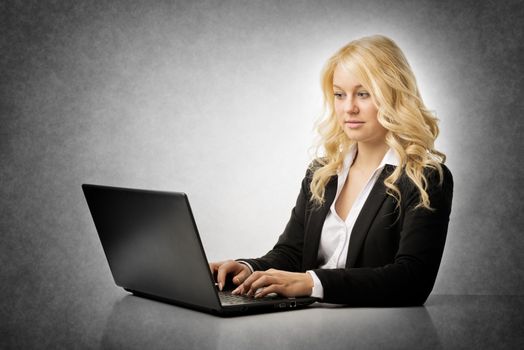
(363, 94)
(338, 95)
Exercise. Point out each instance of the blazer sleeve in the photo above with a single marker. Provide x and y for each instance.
(409, 279)
(287, 253)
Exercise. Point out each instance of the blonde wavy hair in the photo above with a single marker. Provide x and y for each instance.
(384, 71)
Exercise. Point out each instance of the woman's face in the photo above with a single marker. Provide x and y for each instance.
(355, 110)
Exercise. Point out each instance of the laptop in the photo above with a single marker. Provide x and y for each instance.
(154, 250)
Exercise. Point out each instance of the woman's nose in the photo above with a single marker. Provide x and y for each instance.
(350, 106)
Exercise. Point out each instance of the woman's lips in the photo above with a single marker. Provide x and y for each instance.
(354, 124)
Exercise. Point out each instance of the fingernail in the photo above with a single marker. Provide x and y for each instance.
(220, 286)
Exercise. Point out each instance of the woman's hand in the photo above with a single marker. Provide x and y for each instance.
(289, 284)
(229, 267)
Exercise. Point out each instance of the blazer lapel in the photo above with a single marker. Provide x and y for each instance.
(366, 216)
(314, 224)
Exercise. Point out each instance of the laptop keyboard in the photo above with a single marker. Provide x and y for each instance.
(226, 298)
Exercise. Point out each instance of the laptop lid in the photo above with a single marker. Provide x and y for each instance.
(152, 245)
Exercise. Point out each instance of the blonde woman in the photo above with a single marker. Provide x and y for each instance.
(370, 222)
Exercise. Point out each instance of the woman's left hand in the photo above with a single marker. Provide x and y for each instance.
(289, 284)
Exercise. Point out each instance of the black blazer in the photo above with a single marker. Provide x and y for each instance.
(393, 255)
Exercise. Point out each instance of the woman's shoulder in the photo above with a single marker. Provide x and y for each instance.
(314, 165)
(435, 178)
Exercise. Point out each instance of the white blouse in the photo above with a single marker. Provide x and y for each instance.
(334, 240)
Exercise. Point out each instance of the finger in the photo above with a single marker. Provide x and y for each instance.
(213, 266)
(238, 290)
(245, 286)
(252, 278)
(262, 282)
(223, 270)
(273, 288)
(241, 276)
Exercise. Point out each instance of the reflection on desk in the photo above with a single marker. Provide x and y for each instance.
(137, 323)
(446, 322)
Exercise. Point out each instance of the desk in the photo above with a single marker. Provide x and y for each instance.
(446, 322)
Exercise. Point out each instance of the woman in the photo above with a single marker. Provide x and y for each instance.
(370, 221)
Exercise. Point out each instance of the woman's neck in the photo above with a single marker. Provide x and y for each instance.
(369, 156)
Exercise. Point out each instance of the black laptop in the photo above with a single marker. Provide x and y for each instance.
(153, 248)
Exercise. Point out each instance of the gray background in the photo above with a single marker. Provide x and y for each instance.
(218, 99)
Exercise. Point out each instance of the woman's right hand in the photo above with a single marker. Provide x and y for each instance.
(238, 271)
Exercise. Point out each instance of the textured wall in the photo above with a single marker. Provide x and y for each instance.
(218, 99)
